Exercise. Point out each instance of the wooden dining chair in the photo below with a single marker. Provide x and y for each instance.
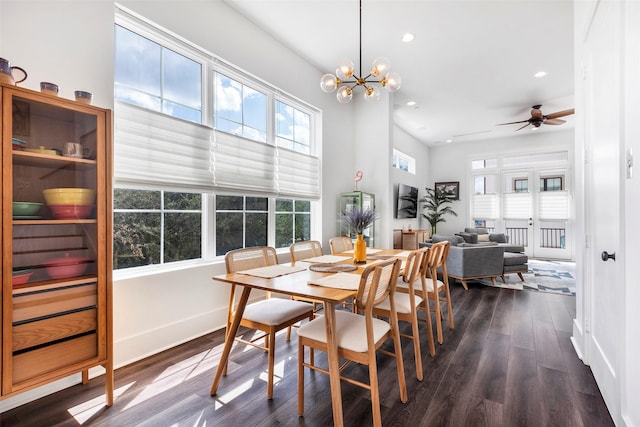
(269, 315)
(359, 336)
(408, 304)
(300, 251)
(340, 244)
(438, 290)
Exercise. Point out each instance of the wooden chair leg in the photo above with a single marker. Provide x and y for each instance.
(449, 306)
(521, 276)
(375, 396)
(416, 347)
(301, 377)
(503, 279)
(402, 384)
(272, 358)
(464, 284)
(436, 303)
(430, 340)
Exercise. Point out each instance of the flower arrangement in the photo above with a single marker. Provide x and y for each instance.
(357, 220)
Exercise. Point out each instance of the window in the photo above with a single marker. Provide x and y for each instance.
(292, 128)
(551, 183)
(241, 222)
(293, 221)
(155, 227)
(239, 109)
(403, 162)
(168, 171)
(157, 78)
(521, 185)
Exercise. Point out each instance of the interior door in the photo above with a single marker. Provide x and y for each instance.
(605, 293)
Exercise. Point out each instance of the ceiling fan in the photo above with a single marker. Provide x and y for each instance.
(537, 118)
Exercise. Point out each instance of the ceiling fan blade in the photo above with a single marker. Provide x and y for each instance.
(522, 127)
(561, 114)
(554, 121)
(512, 123)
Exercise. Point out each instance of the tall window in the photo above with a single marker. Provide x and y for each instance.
(172, 162)
(155, 227)
(155, 77)
(293, 221)
(292, 128)
(239, 109)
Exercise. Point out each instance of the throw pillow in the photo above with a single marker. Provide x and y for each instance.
(498, 238)
(479, 230)
(483, 238)
(469, 237)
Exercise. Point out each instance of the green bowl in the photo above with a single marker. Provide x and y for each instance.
(22, 209)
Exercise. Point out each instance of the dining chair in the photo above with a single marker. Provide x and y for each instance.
(300, 251)
(340, 244)
(408, 304)
(359, 336)
(433, 287)
(269, 315)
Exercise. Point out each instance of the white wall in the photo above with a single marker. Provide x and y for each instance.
(451, 162)
(71, 43)
(411, 147)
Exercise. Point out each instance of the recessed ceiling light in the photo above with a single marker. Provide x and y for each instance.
(411, 103)
(408, 37)
(449, 140)
(540, 74)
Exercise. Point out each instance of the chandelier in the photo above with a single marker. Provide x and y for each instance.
(346, 81)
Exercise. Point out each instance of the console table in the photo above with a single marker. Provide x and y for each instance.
(409, 239)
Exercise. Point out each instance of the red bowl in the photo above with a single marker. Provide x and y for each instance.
(67, 266)
(70, 211)
(21, 279)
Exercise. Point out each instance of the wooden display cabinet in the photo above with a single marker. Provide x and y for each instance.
(58, 323)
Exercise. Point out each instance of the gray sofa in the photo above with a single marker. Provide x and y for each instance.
(471, 261)
(473, 236)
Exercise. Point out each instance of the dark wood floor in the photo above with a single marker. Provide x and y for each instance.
(509, 362)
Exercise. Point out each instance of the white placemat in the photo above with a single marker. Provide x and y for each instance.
(370, 251)
(272, 271)
(339, 280)
(328, 259)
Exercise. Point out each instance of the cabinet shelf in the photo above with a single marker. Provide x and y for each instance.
(46, 160)
(45, 285)
(53, 221)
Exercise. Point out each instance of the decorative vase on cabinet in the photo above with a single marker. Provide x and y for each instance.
(56, 254)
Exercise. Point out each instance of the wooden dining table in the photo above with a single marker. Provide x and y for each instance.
(296, 284)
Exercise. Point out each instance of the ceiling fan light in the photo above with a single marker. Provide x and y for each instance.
(380, 67)
(329, 83)
(392, 81)
(344, 95)
(345, 69)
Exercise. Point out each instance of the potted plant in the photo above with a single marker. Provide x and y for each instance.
(356, 221)
(436, 204)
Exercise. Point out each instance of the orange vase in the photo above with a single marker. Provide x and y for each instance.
(360, 251)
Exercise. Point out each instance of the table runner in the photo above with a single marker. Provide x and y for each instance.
(329, 259)
(272, 271)
(339, 280)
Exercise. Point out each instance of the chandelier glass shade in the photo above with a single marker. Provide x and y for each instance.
(345, 80)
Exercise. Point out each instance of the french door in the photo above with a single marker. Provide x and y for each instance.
(535, 211)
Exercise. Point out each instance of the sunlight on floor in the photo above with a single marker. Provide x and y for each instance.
(84, 411)
(228, 397)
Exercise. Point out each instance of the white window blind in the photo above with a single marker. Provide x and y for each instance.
(516, 205)
(553, 205)
(153, 149)
(485, 206)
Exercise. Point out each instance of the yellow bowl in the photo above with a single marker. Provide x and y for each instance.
(69, 196)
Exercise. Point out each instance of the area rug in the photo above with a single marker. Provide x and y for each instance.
(544, 276)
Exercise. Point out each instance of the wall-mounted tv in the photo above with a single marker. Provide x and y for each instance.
(407, 202)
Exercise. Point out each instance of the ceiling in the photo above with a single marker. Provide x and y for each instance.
(470, 66)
